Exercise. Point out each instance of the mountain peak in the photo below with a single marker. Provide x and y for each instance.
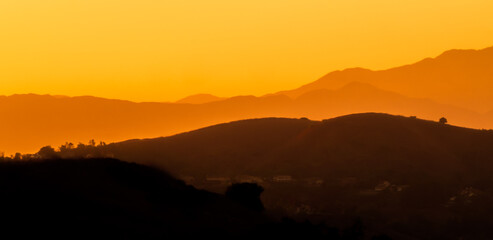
(199, 99)
(460, 53)
(466, 74)
(356, 70)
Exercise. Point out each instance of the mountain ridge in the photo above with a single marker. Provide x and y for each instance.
(79, 119)
(391, 91)
(245, 134)
(426, 78)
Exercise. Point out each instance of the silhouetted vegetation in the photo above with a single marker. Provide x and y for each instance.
(110, 199)
(404, 177)
(247, 194)
(443, 120)
(401, 176)
(47, 152)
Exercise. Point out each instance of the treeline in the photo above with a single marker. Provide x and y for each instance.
(67, 150)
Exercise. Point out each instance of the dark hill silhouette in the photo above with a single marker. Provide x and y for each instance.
(393, 147)
(106, 198)
(110, 199)
(410, 178)
(458, 77)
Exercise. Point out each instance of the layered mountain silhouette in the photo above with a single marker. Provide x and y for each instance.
(462, 78)
(454, 85)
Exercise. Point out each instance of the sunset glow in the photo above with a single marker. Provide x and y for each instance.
(150, 50)
(256, 119)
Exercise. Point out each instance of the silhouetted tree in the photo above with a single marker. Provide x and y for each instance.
(17, 156)
(81, 146)
(443, 120)
(47, 152)
(92, 143)
(356, 231)
(65, 147)
(247, 194)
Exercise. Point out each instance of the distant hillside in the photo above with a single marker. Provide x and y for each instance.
(356, 97)
(456, 84)
(32, 121)
(200, 99)
(462, 78)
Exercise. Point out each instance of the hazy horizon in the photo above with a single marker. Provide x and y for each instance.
(279, 89)
(163, 51)
(220, 119)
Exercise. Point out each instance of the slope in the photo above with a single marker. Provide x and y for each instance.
(393, 147)
(458, 77)
(32, 121)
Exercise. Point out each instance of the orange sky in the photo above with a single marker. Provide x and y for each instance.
(150, 50)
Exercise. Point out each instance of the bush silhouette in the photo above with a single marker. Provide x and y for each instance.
(247, 194)
(47, 152)
(443, 120)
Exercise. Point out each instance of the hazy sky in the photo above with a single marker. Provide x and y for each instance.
(162, 50)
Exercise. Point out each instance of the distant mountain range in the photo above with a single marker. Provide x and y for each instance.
(462, 78)
(455, 85)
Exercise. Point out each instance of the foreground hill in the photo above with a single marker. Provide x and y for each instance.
(110, 199)
(409, 178)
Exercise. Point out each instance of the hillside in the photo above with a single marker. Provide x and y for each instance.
(457, 77)
(32, 121)
(410, 178)
(108, 198)
(455, 84)
(393, 147)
